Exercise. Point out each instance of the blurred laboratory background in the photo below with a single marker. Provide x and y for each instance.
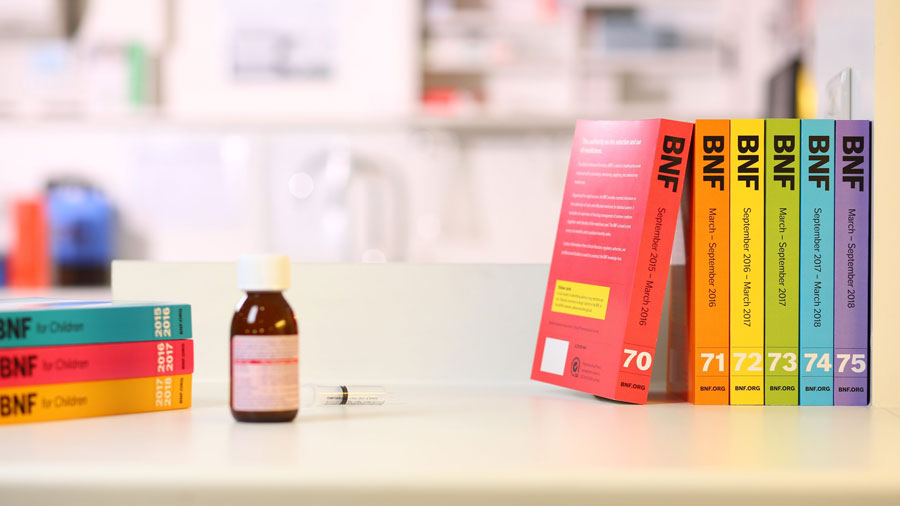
(363, 130)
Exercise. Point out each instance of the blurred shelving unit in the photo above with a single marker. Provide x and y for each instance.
(478, 62)
(591, 59)
(480, 66)
(447, 95)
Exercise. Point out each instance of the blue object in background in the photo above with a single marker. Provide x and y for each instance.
(81, 230)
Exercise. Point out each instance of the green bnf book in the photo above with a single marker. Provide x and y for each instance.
(782, 261)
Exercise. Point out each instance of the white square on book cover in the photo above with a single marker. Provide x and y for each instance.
(554, 359)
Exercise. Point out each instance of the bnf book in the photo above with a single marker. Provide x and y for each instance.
(747, 216)
(604, 296)
(817, 262)
(708, 350)
(852, 186)
(40, 365)
(49, 322)
(782, 260)
(93, 398)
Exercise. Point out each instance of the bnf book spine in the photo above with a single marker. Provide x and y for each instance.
(40, 365)
(667, 181)
(747, 217)
(59, 324)
(709, 352)
(782, 260)
(816, 262)
(94, 398)
(851, 265)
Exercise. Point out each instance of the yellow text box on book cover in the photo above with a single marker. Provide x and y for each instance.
(580, 299)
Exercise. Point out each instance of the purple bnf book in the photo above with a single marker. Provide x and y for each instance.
(851, 261)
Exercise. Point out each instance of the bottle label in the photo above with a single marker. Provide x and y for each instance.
(264, 373)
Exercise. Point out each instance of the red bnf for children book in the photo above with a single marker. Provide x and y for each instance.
(607, 283)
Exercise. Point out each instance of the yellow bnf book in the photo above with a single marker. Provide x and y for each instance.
(94, 398)
(747, 249)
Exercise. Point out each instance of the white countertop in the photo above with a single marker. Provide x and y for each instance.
(524, 444)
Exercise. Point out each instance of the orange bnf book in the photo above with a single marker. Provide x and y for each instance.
(709, 317)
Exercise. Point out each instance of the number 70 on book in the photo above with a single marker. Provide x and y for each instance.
(641, 360)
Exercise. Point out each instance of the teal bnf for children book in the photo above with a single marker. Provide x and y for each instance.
(52, 322)
(817, 262)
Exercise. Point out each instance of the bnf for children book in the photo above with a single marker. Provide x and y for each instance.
(40, 403)
(52, 322)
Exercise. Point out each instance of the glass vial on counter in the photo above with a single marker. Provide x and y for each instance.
(264, 343)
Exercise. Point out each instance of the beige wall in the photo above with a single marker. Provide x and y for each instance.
(886, 207)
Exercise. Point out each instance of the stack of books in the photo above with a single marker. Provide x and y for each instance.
(75, 359)
(780, 231)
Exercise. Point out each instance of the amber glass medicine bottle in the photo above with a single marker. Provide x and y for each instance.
(264, 344)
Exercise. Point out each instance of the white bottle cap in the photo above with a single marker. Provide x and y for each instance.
(264, 273)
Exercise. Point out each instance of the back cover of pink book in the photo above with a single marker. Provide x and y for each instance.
(607, 282)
